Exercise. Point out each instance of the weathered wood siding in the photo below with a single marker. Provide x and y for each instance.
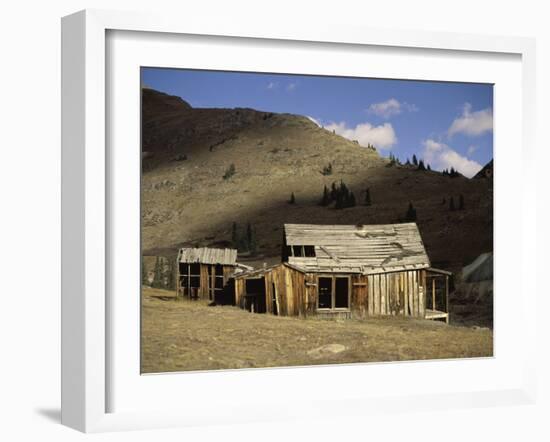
(290, 291)
(296, 293)
(206, 281)
(359, 296)
(240, 291)
(398, 293)
(284, 284)
(227, 274)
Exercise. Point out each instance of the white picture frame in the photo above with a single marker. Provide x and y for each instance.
(87, 204)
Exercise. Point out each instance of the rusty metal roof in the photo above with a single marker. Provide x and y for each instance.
(205, 255)
(362, 249)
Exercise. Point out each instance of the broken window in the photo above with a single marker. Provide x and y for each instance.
(184, 275)
(219, 277)
(303, 251)
(195, 269)
(325, 292)
(309, 251)
(333, 292)
(195, 281)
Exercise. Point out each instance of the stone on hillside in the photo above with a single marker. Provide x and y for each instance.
(326, 350)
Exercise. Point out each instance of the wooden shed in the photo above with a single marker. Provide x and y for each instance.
(348, 271)
(204, 273)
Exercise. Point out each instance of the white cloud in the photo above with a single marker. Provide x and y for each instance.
(272, 85)
(291, 86)
(441, 156)
(471, 149)
(391, 107)
(472, 123)
(317, 122)
(383, 136)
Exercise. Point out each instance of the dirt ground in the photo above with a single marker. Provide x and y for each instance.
(182, 335)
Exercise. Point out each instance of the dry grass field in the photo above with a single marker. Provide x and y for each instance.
(189, 335)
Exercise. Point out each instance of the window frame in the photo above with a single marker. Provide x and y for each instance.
(333, 277)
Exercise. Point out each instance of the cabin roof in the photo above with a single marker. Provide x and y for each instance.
(206, 255)
(252, 273)
(375, 248)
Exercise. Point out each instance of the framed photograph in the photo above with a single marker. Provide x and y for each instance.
(261, 222)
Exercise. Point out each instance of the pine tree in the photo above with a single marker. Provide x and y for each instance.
(292, 199)
(333, 192)
(144, 277)
(428, 167)
(352, 201)
(327, 170)
(242, 244)
(157, 279)
(367, 198)
(343, 188)
(411, 213)
(415, 160)
(408, 162)
(393, 160)
(229, 172)
(461, 202)
(325, 201)
(171, 275)
(421, 165)
(452, 204)
(453, 173)
(251, 239)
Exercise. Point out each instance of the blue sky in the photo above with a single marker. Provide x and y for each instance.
(447, 124)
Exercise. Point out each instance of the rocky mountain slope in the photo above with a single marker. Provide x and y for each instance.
(190, 197)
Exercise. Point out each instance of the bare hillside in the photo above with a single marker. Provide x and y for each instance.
(186, 200)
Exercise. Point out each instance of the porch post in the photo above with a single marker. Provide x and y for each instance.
(447, 297)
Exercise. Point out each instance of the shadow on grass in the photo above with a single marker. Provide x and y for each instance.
(164, 298)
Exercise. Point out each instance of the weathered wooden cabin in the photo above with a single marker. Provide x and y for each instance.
(346, 271)
(205, 273)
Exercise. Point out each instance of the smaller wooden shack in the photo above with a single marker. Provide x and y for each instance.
(205, 273)
(345, 271)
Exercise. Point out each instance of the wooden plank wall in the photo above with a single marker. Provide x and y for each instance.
(400, 293)
(310, 294)
(205, 283)
(291, 290)
(293, 297)
(227, 274)
(359, 296)
(240, 290)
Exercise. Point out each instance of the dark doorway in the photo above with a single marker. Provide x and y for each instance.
(341, 295)
(226, 296)
(255, 295)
